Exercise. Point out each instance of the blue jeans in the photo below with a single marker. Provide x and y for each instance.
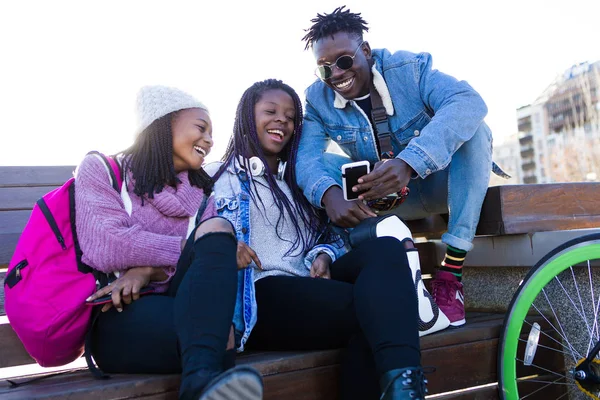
(458, 190)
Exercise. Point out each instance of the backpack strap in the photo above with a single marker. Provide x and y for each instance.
(113, 168)
(89, 359)
(116, 171)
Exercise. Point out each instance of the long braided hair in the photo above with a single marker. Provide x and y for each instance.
(244, 143)
(150, 160)
(339, 20)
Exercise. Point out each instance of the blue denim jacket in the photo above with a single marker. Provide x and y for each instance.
(232, 201)
(430, 115)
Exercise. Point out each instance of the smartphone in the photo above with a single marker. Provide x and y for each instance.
(108, 298)
(350, 174)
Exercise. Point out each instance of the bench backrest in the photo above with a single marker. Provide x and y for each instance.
(20, 188)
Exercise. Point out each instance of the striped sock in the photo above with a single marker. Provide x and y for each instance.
(453, 261)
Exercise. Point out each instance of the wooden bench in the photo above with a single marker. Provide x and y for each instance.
(310, 375)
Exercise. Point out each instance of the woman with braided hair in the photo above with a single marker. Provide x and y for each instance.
(303, 291)
(148, 235)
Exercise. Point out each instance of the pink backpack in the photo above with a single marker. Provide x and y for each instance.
(47, 283)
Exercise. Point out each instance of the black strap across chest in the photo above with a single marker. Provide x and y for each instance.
(381, 124)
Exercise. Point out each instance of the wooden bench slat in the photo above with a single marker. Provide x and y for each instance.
(519, 209)
(2, 275)
(13, 221)
(82, 386)
(431, 227)
(278, 362)
(513, 209)
(54, 175)
(8, 242)
(309, 384)
(12, 350)
(428, 257)
(12, 224)
(474, 370)
(21, 198)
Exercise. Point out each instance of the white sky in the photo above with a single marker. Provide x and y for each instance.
(70, 70)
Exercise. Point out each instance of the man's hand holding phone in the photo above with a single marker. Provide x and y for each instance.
(388, 176)
(339, 204)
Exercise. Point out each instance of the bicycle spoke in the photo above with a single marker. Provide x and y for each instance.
(551, 338)
(570, 346)
(547, 347)
(581, 312)
(596, 311)
(564, 394)
(544, 369)
(595, 306)
(562, 331)
(547, 384)
(556, 381)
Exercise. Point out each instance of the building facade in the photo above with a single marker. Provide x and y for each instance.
(559, 134)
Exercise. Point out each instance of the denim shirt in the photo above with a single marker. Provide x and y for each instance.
(232, 201)
(430, 116)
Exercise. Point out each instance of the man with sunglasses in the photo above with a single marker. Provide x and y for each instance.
(434, 140)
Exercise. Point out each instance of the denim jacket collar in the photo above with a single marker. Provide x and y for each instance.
(236, 168)
(380, 86)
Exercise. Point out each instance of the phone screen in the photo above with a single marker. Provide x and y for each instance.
(351, 176)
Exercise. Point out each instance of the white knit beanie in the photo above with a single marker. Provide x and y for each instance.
(154, 102)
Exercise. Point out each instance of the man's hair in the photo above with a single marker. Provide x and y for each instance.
(339, 20)
(150, 160)
(244, 143)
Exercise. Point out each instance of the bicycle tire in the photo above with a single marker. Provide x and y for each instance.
(570, 255)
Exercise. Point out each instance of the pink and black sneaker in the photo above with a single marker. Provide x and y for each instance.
(449, 296)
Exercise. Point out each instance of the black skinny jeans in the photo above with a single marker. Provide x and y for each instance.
(369, 307)
(186, 327)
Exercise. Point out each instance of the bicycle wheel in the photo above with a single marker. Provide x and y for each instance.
(552, 324)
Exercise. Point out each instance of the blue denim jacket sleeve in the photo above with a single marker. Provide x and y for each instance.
(334, 250)
(311, 173)
(458, 112)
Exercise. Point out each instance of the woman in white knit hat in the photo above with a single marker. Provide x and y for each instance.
(149, 236)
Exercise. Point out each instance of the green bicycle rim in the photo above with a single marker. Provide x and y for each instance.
(525, 297)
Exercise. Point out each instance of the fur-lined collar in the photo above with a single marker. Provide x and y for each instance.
(381, 88)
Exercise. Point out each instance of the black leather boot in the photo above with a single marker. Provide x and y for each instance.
(404, 383)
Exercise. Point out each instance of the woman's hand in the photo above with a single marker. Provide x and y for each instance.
(127, 287)
(245, 255)
(320, 267)
(346, 214)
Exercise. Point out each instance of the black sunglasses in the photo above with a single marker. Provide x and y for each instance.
(344, 62)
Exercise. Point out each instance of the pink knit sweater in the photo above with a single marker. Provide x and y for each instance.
(111, 240)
